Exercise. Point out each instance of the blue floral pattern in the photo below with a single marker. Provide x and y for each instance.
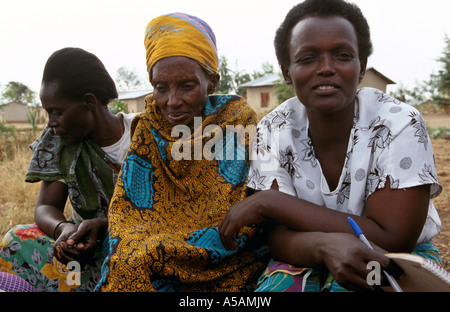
(138, 180)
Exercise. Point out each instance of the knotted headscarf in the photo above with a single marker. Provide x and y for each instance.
(179, 34)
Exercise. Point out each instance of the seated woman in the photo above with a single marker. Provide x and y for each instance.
(172, 192)
(78, 156)
(332, 152)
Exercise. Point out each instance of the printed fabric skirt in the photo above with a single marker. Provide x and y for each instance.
(282, 277)
(27, 252)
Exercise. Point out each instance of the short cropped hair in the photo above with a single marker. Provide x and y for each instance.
(322, 8)
(78, 72)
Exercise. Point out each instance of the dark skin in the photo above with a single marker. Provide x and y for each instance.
(73, 121)
(325, 71)
(181, 89)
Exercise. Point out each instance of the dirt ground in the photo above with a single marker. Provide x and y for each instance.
(442, 157)
(437, 120)
(441, 149)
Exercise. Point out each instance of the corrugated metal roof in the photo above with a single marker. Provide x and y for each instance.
(268, 80)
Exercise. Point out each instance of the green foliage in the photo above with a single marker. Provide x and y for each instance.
(442, 80)
(7, 130)
(435, 90)
(239, 79)
(283, 91)
(226, 81)
(118, 106)
(439, 133)
(267, 69)
(231, 80)
(32, 115)
(18, 92)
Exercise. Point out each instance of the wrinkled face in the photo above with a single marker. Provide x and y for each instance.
(181, 89)
(71, 120)
(324, 69)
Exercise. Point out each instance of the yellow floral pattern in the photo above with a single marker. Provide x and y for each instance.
(27, 252)
(60, 272)
(6, 266)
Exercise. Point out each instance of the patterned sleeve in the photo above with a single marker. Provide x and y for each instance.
(406, 156)
(45, 159)
(265, 163)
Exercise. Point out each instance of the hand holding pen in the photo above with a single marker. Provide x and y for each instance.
(363, 238)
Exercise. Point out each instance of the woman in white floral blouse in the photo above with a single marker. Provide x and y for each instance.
(332, 152)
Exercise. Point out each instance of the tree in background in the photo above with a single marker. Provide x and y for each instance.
(231, 80)
(414, 96)
(267, 69)
(283, 91)
(128, 80)
(441, 81)
(241, 77)
(226, 81)
(435, 90)
(15, 91)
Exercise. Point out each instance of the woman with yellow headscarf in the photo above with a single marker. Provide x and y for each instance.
(184, 169)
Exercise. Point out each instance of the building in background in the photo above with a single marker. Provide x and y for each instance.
(134, 100)
(374, 79)
(14, 112)
(261, 92)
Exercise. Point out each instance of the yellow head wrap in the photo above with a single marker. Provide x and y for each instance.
(179, 34)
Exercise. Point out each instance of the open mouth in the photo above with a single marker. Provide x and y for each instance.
(326, 88)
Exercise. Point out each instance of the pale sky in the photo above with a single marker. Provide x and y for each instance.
(408, 35)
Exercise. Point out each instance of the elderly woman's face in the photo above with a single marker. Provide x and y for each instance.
(324, 69)
(181, 89)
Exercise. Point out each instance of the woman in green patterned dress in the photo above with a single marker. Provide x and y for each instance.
(78, 156)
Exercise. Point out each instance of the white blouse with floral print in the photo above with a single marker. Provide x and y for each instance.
(389, 139)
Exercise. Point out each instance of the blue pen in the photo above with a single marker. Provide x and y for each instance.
(359, 232)
(363, 238)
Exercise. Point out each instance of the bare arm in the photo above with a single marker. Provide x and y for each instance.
(50, 205)
(393, 221)
(344, 255)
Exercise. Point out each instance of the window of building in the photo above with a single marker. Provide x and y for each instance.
(265, 99)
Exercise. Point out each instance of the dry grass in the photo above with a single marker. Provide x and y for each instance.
(17, 198)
